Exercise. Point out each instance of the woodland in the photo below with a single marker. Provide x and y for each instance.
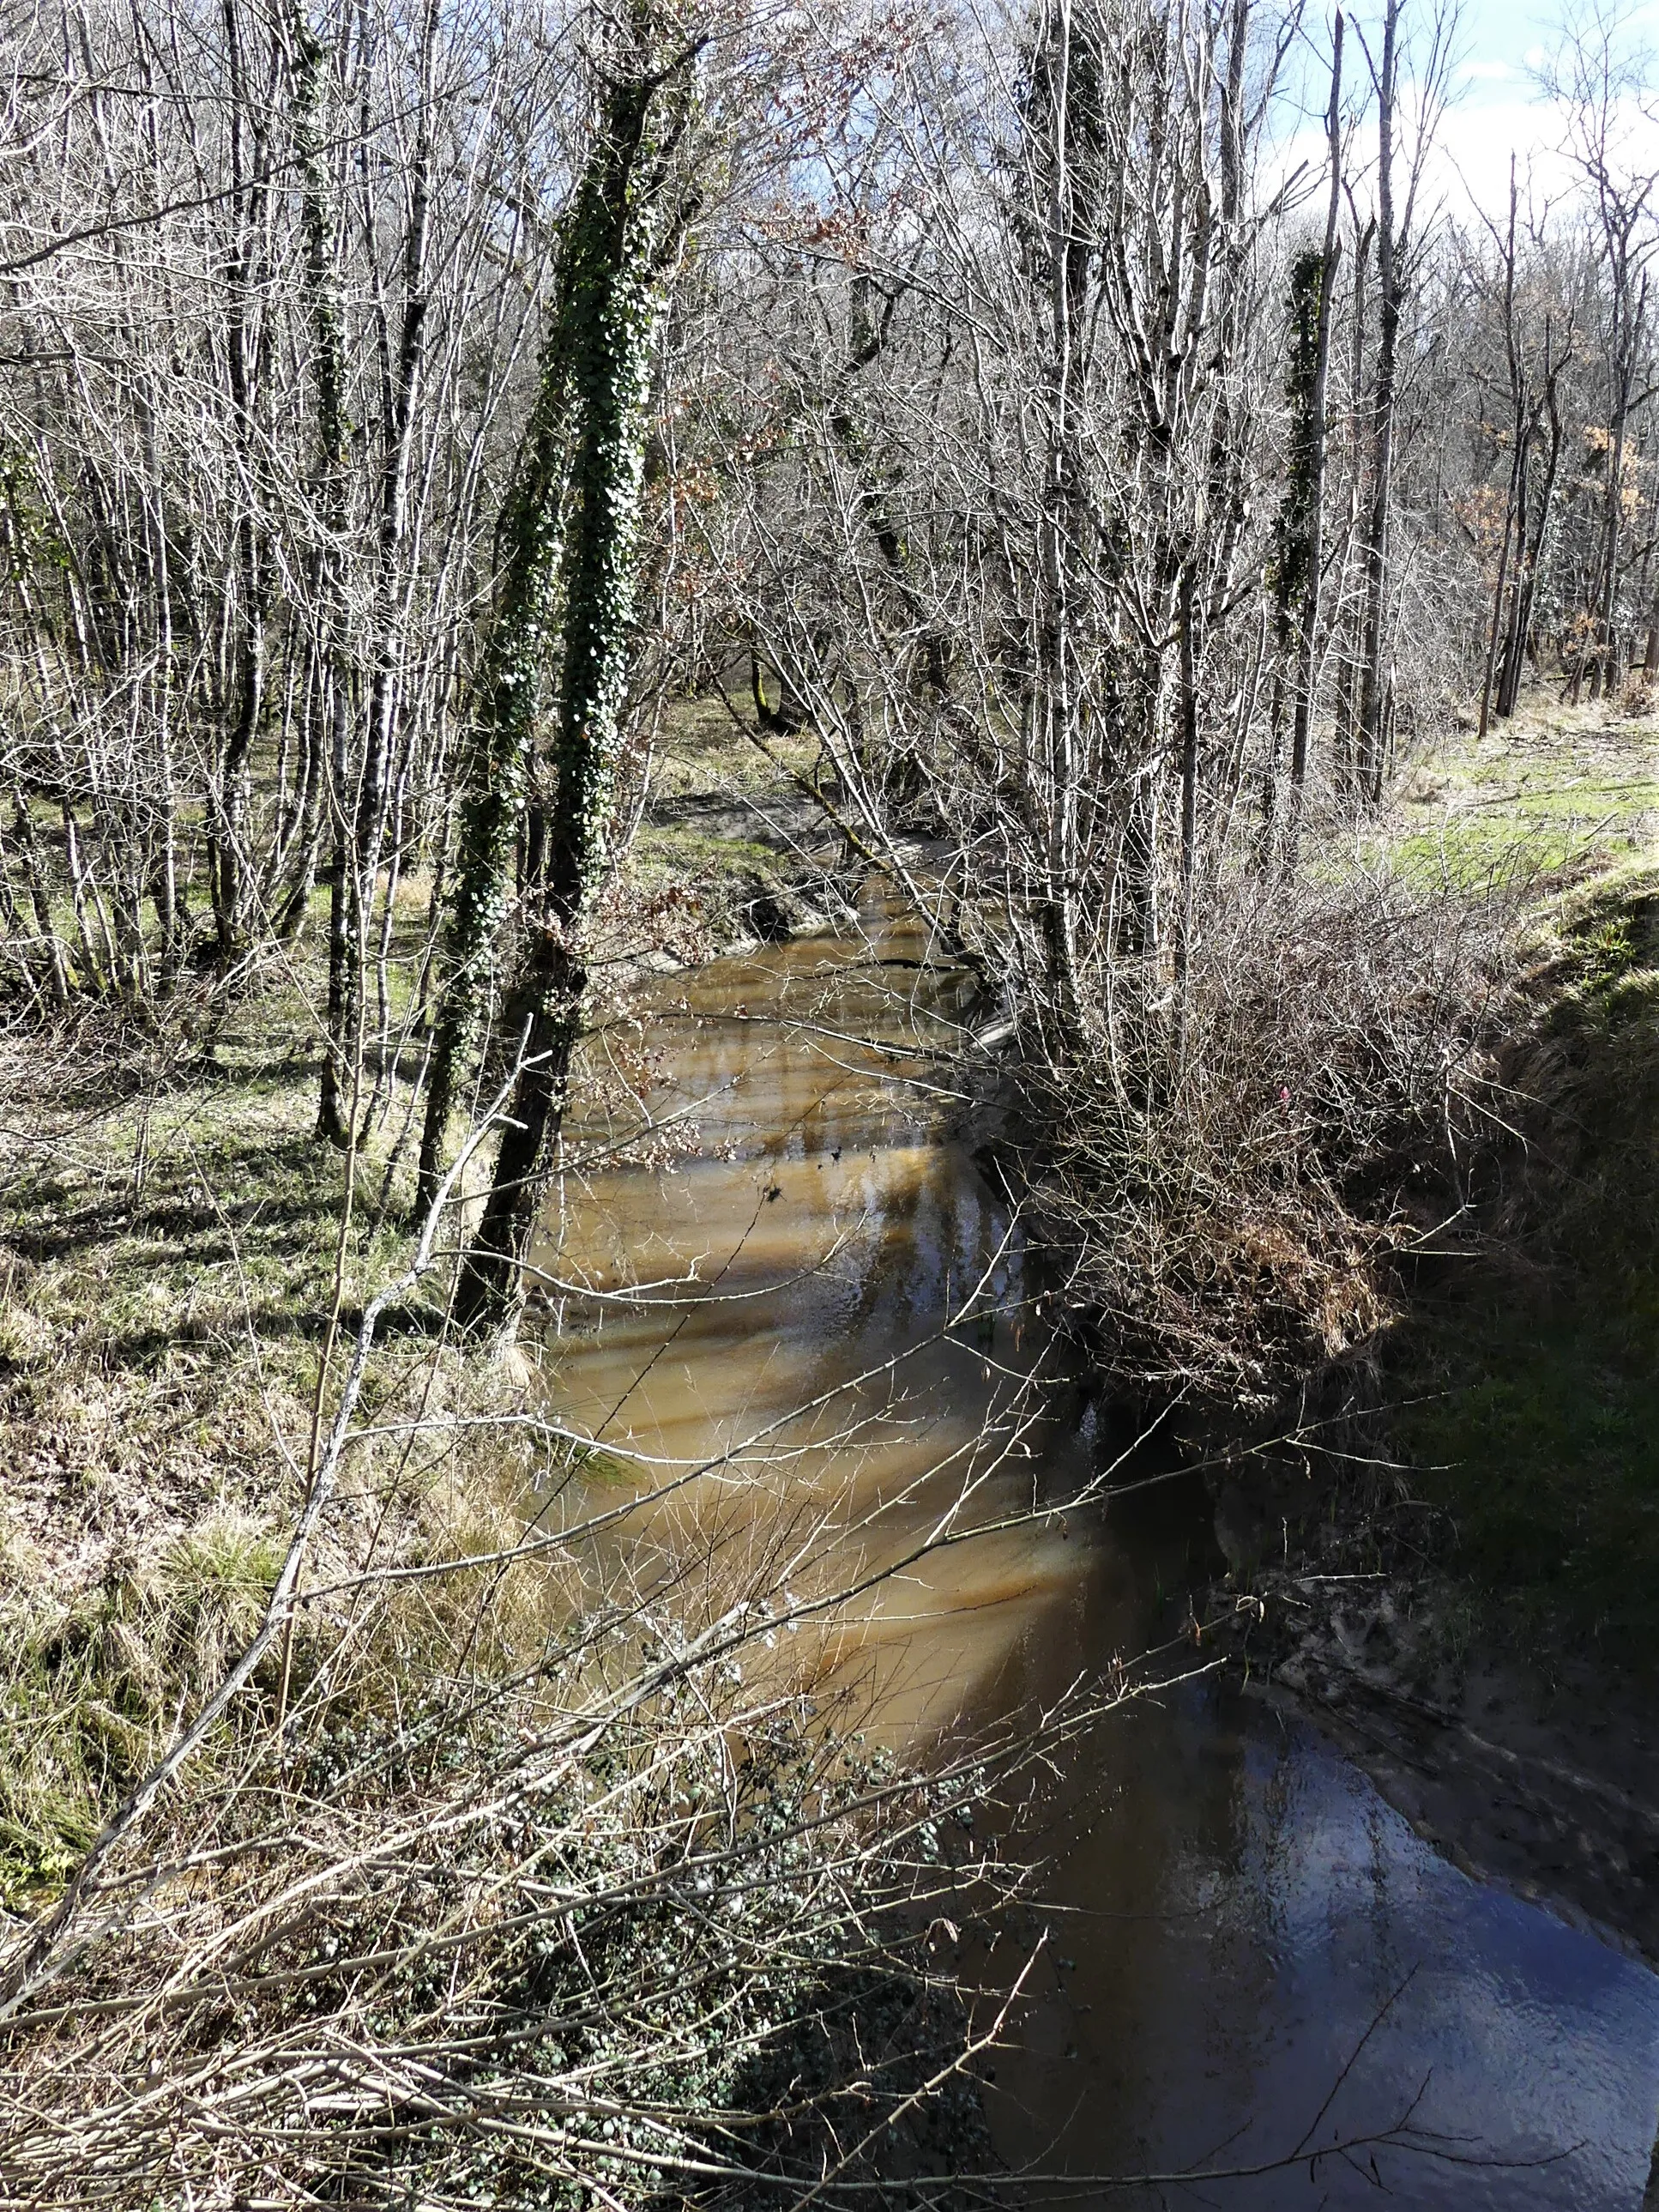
(1089, 464)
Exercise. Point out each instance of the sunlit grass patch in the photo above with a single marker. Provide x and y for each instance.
(703, 747)
(1558, 793)
(168, 1256)
(92, 1679)
(681, 852)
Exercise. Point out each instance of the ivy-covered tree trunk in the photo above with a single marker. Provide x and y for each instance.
(566, 564)
(502, 722)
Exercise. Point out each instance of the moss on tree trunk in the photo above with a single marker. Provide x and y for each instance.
(566, 565)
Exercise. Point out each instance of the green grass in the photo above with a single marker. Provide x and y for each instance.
(700, 859)
(704, 749)
(166, 1268)
(93, 1677)
(1537, 1366)
(165, 1257)
(1551, 794)
(693, 882)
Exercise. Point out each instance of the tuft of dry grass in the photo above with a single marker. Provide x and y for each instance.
(506, 1896)
(497, 1878)
(1233, 1175)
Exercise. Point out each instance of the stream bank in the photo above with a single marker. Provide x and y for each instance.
(1382, 1261)
(1452, 1549)
(1472, 1614)
(456, 1749)
(1240, 1961)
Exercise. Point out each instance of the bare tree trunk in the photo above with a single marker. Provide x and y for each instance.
(1316, 434)
(228, 829)
(35, 882)
(1374, 653)
(1055, 706)
(319, 231)
(1519, 438)
(390, 591)
(1630, 312)
(1189, 765)
(1535, 525)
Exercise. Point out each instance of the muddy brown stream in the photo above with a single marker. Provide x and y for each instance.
(803, 1279)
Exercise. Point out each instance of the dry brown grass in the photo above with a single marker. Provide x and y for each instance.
(1232, 1187)
(495, 1878)
(503, 1888)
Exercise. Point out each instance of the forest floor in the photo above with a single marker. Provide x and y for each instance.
(171, 1252)
(1482, 1632)
(733, 827)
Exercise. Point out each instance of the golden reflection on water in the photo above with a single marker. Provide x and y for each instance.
(800, 1324)
(800, 1319)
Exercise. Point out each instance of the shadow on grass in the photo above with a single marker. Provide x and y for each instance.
(1536, 1360)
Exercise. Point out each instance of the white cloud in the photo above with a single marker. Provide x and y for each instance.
(1468, 167)
(1471, 163)
(1468, 171)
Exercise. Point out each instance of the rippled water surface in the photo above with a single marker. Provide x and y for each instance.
(807, 1292)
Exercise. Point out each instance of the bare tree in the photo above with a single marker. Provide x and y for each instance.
(1300, 556)
(1602, 79)
(1397, 243)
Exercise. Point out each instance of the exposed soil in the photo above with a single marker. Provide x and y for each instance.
(1466, 1615)
(1548, 1783)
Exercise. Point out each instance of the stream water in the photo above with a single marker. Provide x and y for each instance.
(802, 1286)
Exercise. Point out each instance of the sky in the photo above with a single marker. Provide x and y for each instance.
(1496, 107)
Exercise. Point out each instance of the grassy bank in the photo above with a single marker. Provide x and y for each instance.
(1521, 1363)
(1517, 1364)
(1381, 1212)
(498, 1876)
(170, 1228)
(1532, 1364)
